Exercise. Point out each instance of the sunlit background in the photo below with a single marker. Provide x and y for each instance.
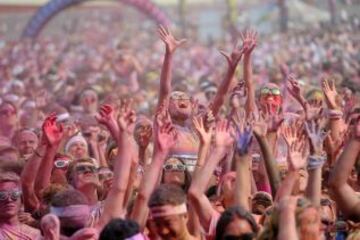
(207, 18)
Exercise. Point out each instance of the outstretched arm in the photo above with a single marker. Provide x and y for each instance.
(165, 138)
(249, 43)
(233, 61)
(114, 202)
(166, 76)
(260, 132)
(344, 195)
(201, 203)
(316, 161)
(28, 176)
(52, 136)
(243, 166)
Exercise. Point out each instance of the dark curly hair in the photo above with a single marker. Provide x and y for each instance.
(119, 229)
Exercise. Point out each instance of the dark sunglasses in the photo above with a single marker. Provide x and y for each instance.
(7, 112)
(174, 167)
(245, 236)
(273, 91)
(14, 195)
(85, 169)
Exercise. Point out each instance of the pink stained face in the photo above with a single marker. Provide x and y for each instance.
(9, 207)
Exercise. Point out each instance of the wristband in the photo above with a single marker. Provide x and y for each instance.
(315, 162)
(334, 114)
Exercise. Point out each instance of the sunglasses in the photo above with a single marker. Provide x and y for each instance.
(180, 97)
(174, 167)
(86, 169)
(14, 195)
(7, 112)
(61, 163)
(270, 91)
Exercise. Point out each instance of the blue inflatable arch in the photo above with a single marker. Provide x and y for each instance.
(53, 7)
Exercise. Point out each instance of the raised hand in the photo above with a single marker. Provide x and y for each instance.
(243, 139)
(170, 42)
(293, 87)
(127, 117)
(273, 120)
(223, 134)
(165, 136)
(317, 135)
(106, 116)
(292, 132)
(313, 110)
(330, 93)
(296, 158)
(249, 41)
(260, 126)
(52, 132)
(234, 58)
(204, 135)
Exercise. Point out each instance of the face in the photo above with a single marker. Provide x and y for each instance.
(237, 227)
(174, 172)
(85, 174)
(8, 115)
(27, 142)
(270, 94)
(309, 221)
(89, 100)
(9, 200)
(78, 150)
(170, 227)
(180, 106)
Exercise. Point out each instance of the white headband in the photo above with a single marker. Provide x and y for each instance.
(63, 116)
(71, 211)
(168, 210)
(74, 139)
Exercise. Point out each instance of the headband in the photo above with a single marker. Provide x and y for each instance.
(74, 139)
(63, 116)
(168, 210)
(71, 211)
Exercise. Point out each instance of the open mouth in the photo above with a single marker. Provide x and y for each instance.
(183, 105)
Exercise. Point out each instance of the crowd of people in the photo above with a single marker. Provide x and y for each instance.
(147, 136)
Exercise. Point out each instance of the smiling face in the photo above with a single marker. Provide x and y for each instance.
(180, 106)
(85, 174)
(27, 141)
(270, 94)
(174, 172)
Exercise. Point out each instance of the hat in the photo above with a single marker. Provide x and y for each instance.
(74, 139)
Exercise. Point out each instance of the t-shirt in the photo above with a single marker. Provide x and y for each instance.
(18, 232)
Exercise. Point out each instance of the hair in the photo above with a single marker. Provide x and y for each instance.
(167, 194)
(20, 131)
(68, 197)
(11, 166)
(48, 193)
(187, 174)
(271, 227)
(229, 215)
(7, 176)
(72, 166)
(119, 229)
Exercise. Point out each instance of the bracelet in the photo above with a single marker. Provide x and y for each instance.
(334, 114)
(315, 162)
